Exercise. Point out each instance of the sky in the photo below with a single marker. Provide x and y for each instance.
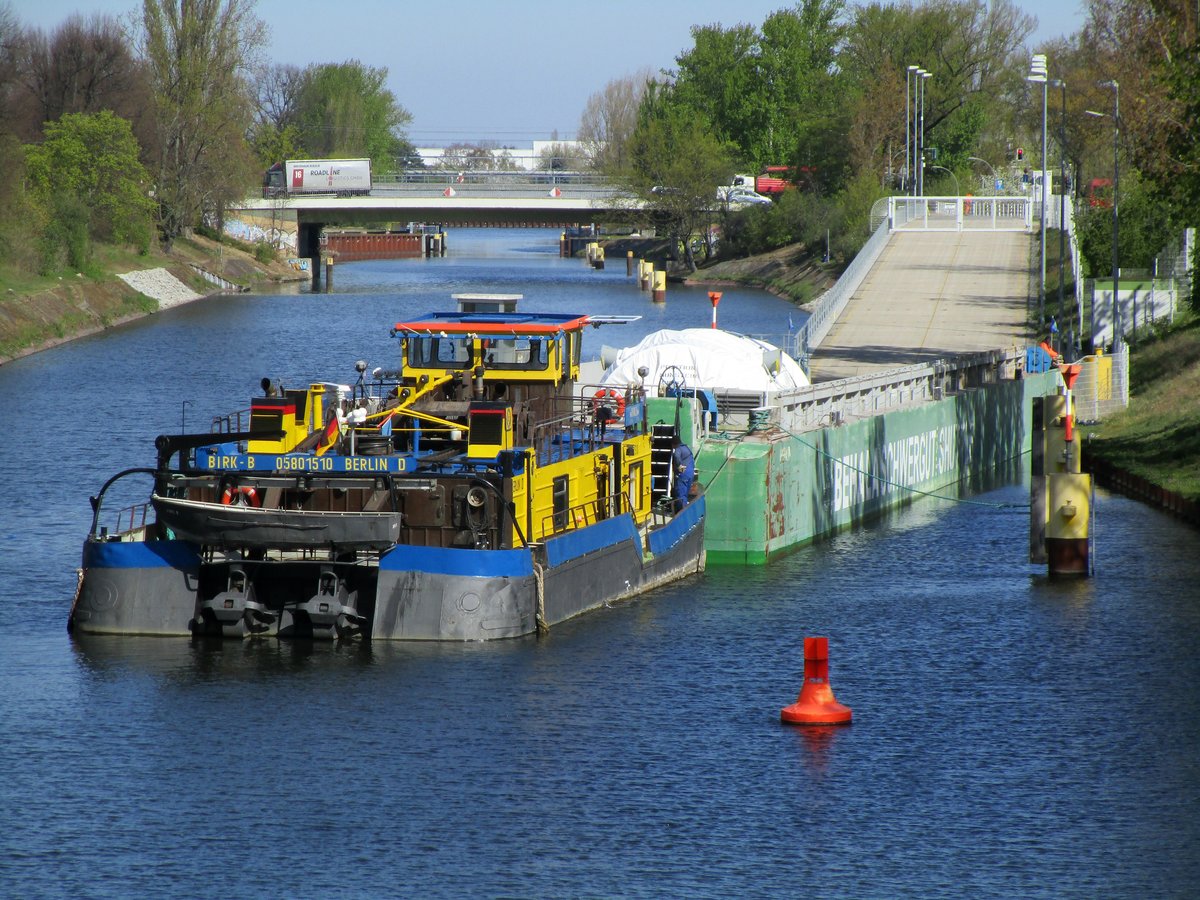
(485, 70)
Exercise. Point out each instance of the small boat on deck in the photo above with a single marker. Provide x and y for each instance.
(477, 491)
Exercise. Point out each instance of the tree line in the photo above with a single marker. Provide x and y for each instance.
(130, 132)
(822, 88)
(137, 131)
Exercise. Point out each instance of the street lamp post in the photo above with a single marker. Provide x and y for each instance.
(957, 190)
(908, 127)
(921, 135)
(1118, 324)
(1118, 327)
(990, 169)
(1062, 204)
(1038, 74)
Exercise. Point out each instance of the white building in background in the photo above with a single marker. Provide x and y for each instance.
(527, 157)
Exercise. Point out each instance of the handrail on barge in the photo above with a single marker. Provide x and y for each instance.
(863, 396)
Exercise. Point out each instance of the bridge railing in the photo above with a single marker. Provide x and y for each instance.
(830, 304)
(443, 177)
(497, 186)
(549, 177)
(961, 213)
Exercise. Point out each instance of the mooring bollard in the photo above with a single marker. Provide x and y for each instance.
(328, 273)
(1068, 511)
(1060, 493)
(660, 287)
(628, 263)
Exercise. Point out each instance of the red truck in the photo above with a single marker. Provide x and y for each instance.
(775, 179)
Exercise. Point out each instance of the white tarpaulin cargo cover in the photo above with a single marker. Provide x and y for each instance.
(707, 358)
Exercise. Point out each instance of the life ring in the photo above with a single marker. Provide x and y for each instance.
(600, 400)
(240, 496)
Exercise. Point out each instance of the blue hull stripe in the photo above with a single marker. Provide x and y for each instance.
(183, 556)
(671, 534)
(604, 533)
(452, 561)
(141, 555)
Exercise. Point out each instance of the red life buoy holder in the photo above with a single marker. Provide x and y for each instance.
(600, 400)
(243, 496)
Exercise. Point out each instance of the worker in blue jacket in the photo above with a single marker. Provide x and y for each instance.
(684, 466)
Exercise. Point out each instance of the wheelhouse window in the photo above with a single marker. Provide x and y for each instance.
(515, 353)
(438, 352)
(454, 351)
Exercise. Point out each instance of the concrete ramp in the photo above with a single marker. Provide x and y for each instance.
(931, 295)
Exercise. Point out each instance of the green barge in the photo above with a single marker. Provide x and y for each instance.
(803, 465)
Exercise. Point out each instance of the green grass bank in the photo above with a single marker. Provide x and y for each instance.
(1158, 436)
(38, 312)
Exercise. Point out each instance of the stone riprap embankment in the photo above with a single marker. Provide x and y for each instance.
(160, 285)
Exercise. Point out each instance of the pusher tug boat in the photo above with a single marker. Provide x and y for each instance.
(477, 492)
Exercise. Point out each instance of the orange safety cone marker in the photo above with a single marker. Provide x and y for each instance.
(816, 704)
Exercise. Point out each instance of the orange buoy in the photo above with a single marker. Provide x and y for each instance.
(816, 704)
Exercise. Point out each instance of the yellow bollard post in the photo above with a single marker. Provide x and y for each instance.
(1068, 509)
(628, 263)
(660, 287)
(645, 270)
(598, 262)
(328, 273)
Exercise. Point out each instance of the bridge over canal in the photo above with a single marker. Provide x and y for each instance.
(468, 200)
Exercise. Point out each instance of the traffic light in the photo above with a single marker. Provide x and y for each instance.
(1020, 154)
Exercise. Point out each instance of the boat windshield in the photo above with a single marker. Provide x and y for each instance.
(434, 351)
(516, 353)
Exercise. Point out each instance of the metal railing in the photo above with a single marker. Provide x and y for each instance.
(1102, 387)
(864, 396)
(129, 522)
(442, 177)
(830, 304)
(575, 427)
(238, 420)
(497, 185)
(959, 213)
(581, 515)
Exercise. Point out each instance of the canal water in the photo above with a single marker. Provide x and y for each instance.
(1012, 735)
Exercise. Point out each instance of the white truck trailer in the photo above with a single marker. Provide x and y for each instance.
(342, 177)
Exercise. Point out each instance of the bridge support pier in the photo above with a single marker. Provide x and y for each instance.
(308, 245)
